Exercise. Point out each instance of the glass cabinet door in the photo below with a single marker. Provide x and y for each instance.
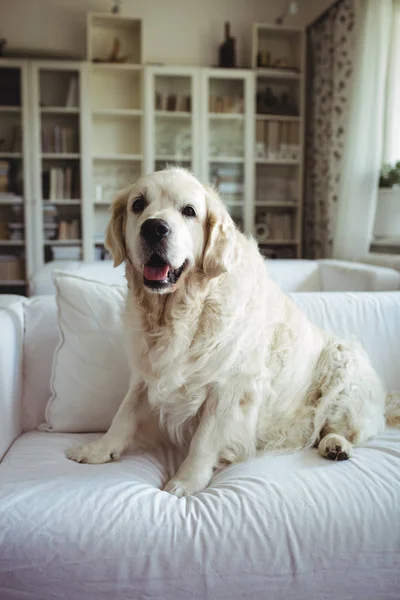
(171, 133)
(226, 147)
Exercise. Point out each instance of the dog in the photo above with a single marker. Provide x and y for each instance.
(223, 363)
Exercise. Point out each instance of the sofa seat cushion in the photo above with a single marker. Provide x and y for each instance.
(276, 527)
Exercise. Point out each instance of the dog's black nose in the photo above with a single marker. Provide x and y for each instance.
(154, 230)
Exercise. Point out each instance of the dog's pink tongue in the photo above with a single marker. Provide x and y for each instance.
(156, 273)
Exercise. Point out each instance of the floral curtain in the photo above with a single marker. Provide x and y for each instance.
(330, 55)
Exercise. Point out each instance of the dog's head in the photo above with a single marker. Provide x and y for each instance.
(167, 225)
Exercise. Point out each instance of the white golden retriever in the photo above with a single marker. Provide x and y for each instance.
(223, 363)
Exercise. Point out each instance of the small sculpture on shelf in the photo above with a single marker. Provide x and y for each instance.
(114, 56)
(269, 103)
(227, 50)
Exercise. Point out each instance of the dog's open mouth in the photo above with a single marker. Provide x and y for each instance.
(158, 274)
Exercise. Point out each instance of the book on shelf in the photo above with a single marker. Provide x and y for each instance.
(172, 102)
(59, 183)
(69, 230)
(277, 140)
(72, 93)
(59, 139)
(4, 175)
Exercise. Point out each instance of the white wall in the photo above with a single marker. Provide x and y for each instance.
(185, 32)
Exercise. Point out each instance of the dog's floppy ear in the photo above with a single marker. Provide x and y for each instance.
(220, 252)
(115, 234)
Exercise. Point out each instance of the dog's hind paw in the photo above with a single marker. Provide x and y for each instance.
(335, 447)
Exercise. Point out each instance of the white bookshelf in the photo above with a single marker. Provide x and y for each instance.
(227, 142)
(116, 144)
(116, 114)
(279, 64)
(16, 264)
(60, 159)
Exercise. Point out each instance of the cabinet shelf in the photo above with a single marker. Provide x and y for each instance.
(227, 116)
(277, 74)
(59, 110)
(77, 242)
(173, 114)
(8, 109)
(10, 154)
(11, 200)
(117, 157)
(60, 155)
(277, 161)
(176, 158)
(112, 66)
(117, 112)
(62, 202)
(12, 243)
(11, 282)
(226, 159)
(268, 117)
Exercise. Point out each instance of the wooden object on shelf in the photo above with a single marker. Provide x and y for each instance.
(114, 39)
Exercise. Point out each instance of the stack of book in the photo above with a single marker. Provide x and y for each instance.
(69, 230)
(59, 183)
(277, 140)
(50, 222)
(15, 225)
(59, 139)
(4, 169)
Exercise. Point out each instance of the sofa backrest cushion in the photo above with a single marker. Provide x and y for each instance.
(371, 318)
(295, 275)
(346, 276)
(41, 282)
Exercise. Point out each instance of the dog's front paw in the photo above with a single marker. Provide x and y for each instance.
(186, 486)
(95, 453)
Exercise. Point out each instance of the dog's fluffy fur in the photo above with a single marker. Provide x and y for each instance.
(223, 363)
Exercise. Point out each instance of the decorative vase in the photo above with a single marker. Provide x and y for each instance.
(387, 215)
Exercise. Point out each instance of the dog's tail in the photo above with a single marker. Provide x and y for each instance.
(392, 411)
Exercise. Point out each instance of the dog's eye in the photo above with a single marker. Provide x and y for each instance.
(188, 211)
(139, 205)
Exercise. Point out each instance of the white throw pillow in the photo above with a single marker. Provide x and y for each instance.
(90, 374)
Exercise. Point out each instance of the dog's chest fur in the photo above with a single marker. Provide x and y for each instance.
(170, 356)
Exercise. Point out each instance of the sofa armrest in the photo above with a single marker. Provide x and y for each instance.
(345, 276)
(11, 352)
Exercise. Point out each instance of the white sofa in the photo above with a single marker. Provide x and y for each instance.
(290, 275)
(292, 527)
